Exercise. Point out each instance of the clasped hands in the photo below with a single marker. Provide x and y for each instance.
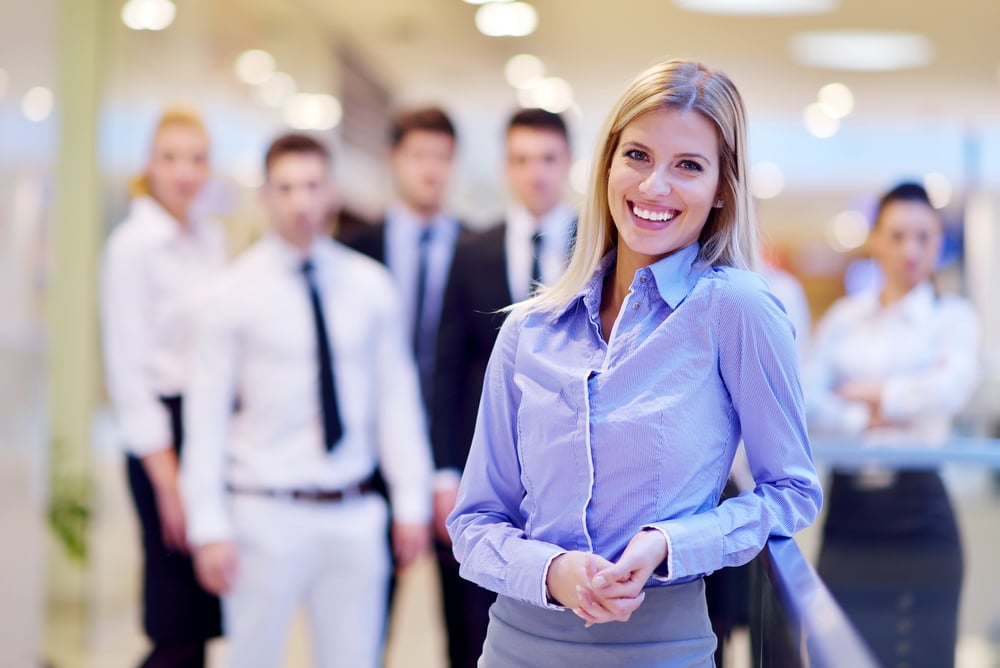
(599, 591)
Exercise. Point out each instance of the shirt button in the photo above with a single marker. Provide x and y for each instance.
(643, 279)
(635, 307)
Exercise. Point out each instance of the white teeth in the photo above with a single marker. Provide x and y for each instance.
(657, 216)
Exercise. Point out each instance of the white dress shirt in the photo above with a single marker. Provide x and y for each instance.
(152, 273)
(257, 343)
(923, 349)
(556, 228)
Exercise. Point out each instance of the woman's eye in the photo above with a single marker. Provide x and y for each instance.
(691, 166)
(636, 154)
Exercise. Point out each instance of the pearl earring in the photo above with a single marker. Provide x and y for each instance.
(718, 204)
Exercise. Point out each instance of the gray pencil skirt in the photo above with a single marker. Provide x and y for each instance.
(669, 630)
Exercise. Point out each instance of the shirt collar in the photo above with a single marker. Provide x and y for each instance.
(164, 224)
(401, 217)
(291, 257)
(918, 303)
(522, 223)
(676, 274)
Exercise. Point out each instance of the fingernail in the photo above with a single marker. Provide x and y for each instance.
(600, 581)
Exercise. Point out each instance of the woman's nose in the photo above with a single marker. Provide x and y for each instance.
(657, 183)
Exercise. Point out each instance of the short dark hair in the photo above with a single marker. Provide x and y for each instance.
(539, 119)
(430, 119)
(294, 142)
(908, 191)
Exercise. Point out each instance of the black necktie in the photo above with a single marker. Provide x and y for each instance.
(332, 428)
(536, 262)
(422, 252)
(422, 346)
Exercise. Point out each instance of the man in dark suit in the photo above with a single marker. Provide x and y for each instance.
(416, 240)
(491, 270)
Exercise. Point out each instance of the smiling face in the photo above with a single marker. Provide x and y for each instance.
(663, 181)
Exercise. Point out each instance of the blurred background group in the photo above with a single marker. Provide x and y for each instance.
(845, 100)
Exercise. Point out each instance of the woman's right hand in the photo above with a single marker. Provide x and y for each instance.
(568, 582)
(162, 468)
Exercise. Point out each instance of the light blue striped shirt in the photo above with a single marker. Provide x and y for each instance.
(579, 443)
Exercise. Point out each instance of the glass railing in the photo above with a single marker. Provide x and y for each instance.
(888, 599)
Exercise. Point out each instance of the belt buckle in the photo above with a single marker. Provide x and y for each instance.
(352, 492)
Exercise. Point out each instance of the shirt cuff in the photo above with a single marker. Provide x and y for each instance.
(663, 571)
(694, 546)
(445, 479)
(411, 506)
(548, 600)
(209, 526)
(147, 433)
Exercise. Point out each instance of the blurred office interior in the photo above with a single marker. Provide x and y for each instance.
(845, 98)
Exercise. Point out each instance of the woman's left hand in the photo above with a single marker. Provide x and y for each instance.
(616, 591)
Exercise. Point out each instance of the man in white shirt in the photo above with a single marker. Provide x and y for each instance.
(491, 270)
(308, 339)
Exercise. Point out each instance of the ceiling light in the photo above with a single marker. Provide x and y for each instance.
(506, 19)
(766, 180)
(276, 90)
(939, 189)
(305, 111)
(522, 68)
(254, 66)
(864, 50)
(818, 122)
(37, 103)
(847, 230)
(148, 14)
(550, 93)
(836, 99)
(770, 7)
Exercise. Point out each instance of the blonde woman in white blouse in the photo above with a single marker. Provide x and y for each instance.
(894, 366)
(154, 268)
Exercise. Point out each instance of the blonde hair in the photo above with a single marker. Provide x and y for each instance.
(730, 233)
(172, 116)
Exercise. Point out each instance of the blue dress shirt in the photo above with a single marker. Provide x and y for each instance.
(580, 444)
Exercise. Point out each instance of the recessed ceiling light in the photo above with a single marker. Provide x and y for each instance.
(37, 103)
(506, 19)
(865, 50)
(750, 7)
(847, 230)
(837, 100)
(523, 68)
(819, 123)
(766, 180)
(939, 189)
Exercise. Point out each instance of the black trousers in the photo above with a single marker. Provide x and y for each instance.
(892, 557)
(178, 615)
(466, 611)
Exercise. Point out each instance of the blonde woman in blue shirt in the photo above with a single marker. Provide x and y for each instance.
(615, 399)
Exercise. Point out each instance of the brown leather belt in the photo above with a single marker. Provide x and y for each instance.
(316, 495)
